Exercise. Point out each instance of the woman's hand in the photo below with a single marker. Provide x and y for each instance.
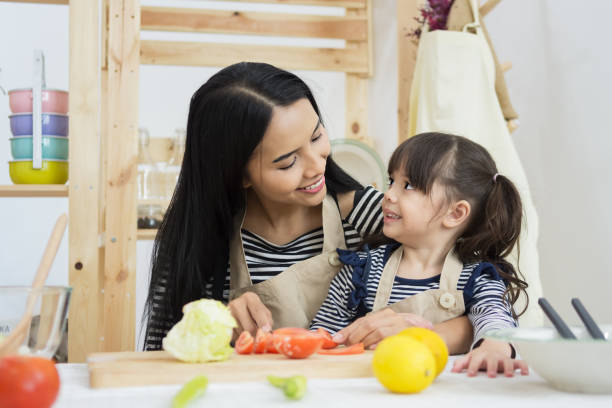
(373, 327)
(493, 357)
(250, 314)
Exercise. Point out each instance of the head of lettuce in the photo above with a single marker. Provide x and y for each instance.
(203, 334)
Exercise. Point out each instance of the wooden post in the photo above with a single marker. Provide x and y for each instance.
(407, 11)
(121, 152)
(85, 313)
(356, 86)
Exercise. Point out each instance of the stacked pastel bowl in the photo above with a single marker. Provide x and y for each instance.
(54, 125)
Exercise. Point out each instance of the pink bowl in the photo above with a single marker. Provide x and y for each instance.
(53, 100)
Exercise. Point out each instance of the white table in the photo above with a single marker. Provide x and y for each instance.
(449, 390)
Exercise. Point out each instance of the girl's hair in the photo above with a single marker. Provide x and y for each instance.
(228, 117)
(467, 171)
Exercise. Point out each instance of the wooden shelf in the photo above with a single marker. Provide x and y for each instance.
(146, 234)
(62, 2)
(34, 190)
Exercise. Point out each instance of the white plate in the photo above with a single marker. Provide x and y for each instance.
(360, 161)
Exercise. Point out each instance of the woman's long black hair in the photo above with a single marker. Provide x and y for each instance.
(228, 117)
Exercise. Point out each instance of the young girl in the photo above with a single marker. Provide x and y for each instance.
(449, 221)
(259, 208)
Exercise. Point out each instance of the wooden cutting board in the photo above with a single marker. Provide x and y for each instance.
(128, 369)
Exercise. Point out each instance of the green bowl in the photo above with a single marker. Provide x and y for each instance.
(53, 147)
(52, 172)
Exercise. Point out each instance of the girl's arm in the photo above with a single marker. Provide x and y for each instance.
(457, 333)
(334, 314)
(488, 309)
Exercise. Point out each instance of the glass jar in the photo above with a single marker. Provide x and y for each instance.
(150, 213)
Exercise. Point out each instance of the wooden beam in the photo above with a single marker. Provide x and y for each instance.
(357, 108)
(34, 190)
(255, 23)
(407, 11)
(330, 3)
(488, 6)
(221, 55)
(121, 155)
(84, 274)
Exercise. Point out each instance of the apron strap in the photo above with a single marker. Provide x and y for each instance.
(451, 271)
(383, 293)
(333, 237)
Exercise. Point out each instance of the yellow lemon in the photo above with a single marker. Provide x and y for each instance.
(431, 339)
(403, 364)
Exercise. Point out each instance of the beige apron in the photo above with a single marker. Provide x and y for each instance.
(295, 295)
(435, 305)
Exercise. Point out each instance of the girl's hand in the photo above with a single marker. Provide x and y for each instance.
(493, 357)
(250, 314)
(373, 327)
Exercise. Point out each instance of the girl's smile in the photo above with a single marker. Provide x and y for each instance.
(390, 216)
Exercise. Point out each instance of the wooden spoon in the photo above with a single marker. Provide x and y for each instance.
(11, 343)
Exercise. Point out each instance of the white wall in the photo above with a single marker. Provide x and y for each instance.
(560, 86)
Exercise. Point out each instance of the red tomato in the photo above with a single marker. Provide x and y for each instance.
(261, 341)
(27, 382)
(270, 348)
(328, 343)
(343, 351)
(244, 344)
(296, 343)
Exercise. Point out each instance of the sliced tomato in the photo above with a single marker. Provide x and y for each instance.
(328, 343)
(270, 348)
(244, 344)
(344, 351)
(261, 341)
(296, 343)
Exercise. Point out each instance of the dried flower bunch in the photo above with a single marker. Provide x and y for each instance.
(435, 14)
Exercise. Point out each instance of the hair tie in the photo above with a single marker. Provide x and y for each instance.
(495, 177)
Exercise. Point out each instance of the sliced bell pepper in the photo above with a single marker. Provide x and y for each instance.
(343, 351)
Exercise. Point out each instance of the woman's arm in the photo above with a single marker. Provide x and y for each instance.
(457, 333)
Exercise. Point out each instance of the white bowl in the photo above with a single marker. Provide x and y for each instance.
(583, 365)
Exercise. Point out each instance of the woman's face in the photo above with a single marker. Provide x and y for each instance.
(288, 166)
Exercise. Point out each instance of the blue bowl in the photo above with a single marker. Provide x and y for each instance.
(52, 124)
(53, 147)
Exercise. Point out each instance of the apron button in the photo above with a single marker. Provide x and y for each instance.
(334, 259)
(447, 300)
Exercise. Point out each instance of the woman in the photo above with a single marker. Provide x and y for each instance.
(259, 209)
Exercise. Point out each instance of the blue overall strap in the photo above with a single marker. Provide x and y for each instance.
(359, 275)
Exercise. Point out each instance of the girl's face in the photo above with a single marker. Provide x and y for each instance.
(288, 166)
(410, 216)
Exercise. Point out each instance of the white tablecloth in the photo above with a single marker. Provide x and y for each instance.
(449, 390)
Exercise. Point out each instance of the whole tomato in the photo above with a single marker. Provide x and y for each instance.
(28, 382)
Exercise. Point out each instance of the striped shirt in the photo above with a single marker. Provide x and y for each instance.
(266, 260)
(483, 294)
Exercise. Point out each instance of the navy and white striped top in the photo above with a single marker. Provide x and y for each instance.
(266, 260)
(483, 294)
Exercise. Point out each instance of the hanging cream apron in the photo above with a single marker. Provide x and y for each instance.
(295, 295)
(435, 305)
(453, 91)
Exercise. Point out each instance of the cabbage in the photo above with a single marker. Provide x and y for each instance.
(203, 334)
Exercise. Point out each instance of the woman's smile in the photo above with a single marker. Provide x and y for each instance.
(315, 187)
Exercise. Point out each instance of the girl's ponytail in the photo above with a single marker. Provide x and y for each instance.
(493, 234)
